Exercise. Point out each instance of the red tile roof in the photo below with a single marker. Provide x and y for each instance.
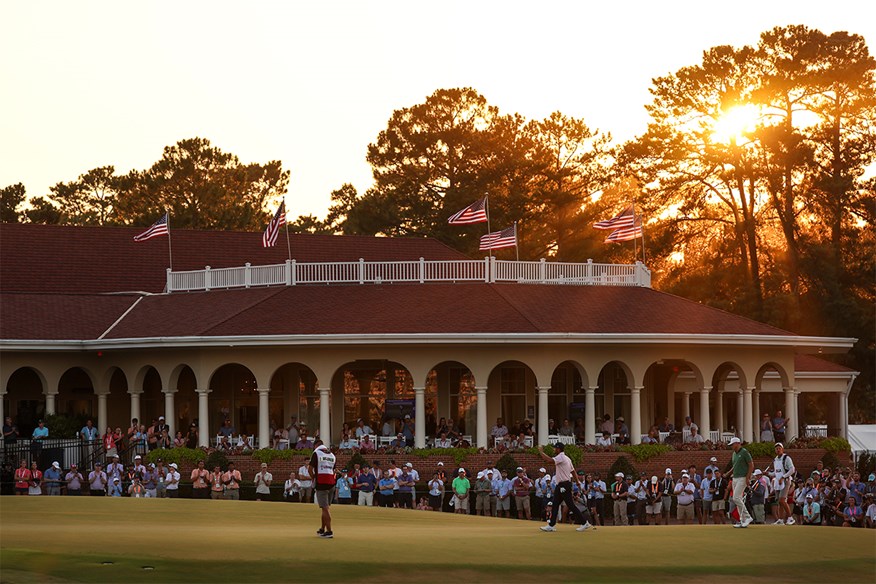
(60, 316)
(813, 363)
(50, 258)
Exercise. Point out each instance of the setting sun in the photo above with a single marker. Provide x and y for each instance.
(735, 124)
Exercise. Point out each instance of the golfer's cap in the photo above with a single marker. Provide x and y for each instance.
(519, 469)
(462, 471)
(115, 480)
(779, 445)
(685, 476)
(713, 459)
(620, 419)
(440, 463)
(872, 477)
(654, 480)
(550, 503)
(56, 464)
(138, 457)
(174, 466)
(757, 472)
(542, 469)
(735, 440)
(619, 475)
(160, 417)
(115, 455)
(629, 477)
(409, 465)
(151, 465)
(264, 465)
(808, 496)
(643, 474)
(668, 471)
(489, 472)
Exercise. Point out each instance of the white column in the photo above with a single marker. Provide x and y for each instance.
(325, 428)
(719, 412)
(739, 418)
(685, 406)
(419, 417)
(755, 414)
(843, 415)
(101, 413)
(590, 415)
(2, 409)
(482, 418)
(203, 418)
(705, 421)
(50, 404)
(636, 415)
(746, 414)
(264, 421)
(170, 412)
(543, 415)
(135, 405)
(791, 414)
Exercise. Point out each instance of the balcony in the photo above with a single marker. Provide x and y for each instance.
(489, 270)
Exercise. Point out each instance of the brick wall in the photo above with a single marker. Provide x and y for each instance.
(804, 460)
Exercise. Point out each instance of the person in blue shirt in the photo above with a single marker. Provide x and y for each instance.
(115, 488)
(405, 488)
(502, 486)
(40, 433)
(344, 485)
(88, 432)
(387, 490)
(366, 482)
(52, 478)
(408, 431)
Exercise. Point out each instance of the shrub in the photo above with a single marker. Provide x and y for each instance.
(756, 449)
(830, 460)
(217, 458)
(835, 444)
(866, 465)
(62, 426)
(458, 454)
(269, 455)
(644, 452)
(507, 463)
(177, 455)
(357, 458)
(622, 464)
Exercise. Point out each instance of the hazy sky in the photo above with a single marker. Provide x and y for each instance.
(87, 84)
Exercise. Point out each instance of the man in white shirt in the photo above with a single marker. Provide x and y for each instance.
(605, 439)
(263, 483)
(542, 491)
(306, 481)
(499, 431)
(713, 464)
(415, 476)
(362, 429)
(784, 473)
(443, 441)
(684, 492)
(172, 481)
(565, 474)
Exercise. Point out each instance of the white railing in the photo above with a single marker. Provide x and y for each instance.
(488, 270)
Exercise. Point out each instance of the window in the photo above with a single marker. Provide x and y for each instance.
(512, 382)
(463, 399)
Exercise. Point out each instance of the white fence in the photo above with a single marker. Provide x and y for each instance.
(292, 273)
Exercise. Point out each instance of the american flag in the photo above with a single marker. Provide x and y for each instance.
(625, 233)
(625, 218)
(499, 239)
(158, 228)
(269, 239)
(474, 213)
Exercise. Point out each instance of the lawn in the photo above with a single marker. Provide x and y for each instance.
(57, 539)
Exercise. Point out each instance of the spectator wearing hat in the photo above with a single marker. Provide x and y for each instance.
(622, 430)
(408, 431)
(149, 479)
(52, 478)
(115, 469)
(742, 466)
(97, 481)
(115, 487)
(596, 490)
(619, 495)
(436, 491)
(811, 511)
(136, 489)
(232, 479)
(460, 487)
(304, 443)
(172, 481)
(719, 498)
(139, 467)
(707, 492)
(713, 464)
(784, 474)
(504, 491)
(543, 491)
(605, 439)
(482, 490)
(263, 480)
(74, 480)
(667, 490)
(405, 497)
(684, 493)
(654, 501)
(759, 492)
(766, 429)
(344, 485)
(416, 478)
(522, 487)
(640, 490)
(362, 429)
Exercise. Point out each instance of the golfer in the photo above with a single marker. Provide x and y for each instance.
(322, 466)
(742, 466)
(563, 491)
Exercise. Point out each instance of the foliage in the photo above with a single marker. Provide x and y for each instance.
(177, 455)
(507, 463)
(458, 454)
(621, 464)
(830, 460)
(216, 458)
(761, 449)
(269, 455)
(866, 464)
(835, 444)
(11, 199)
(64, 426)
(357, 458)
(644, 452)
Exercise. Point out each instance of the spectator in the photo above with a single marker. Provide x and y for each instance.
(719, 499)
(694, 437)
(667, 490)
(139, 440)
(399, 441)
(172, 481)
(193, 436)
(518, 442)
(232, 479)
(482, 490)
(97, 481)
(10, 433)
(666, 426)
(150, 481)
(35, 485)
(164, 439)
(226, 429)
(304, 442)
(653, 501)
(855, 488)
(784, 472)
(605, 439)
(460, 487)
(766, 429)
(640, 490)
(40, 433)
(346, 442)
(366, 483)
(263, 480)
(526, 427)
(416, 477)
(109, 442)
(115, 469)
(345, 488)
(453, 432)
(759, 492)
(607, 425)
(499, 432)
(387, 486)
(619, 495)
(596, 498)
(136, 490)
(22, 478)
(580, 430)
(395, 472)
(423, 505)
(292, 488)
(688, 423)
(443, 441)
(707, 491)
(436, 492)
(653, 436)
(853, 515)
(179, 441)
(553, 429)
(52, 477)
(128, 478)
(811, 511)
(543, 491)
(366, 445)
(160, 480)
(362, 429)
(522, 486)
(152, 434)
(408, 431)
(138, 466)
(695, 480)
(567, 429)
(684, 492)
(870, 513)
(88, 433)
(217, 487)
(200, 481)
(306, 482)
(779, 426)
(405, 489)
(622, 430)
(74, 480)
(713, 464)
(244, 443)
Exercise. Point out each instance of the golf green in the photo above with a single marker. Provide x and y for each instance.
(57, 539)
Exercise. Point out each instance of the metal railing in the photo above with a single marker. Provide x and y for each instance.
(488, 270)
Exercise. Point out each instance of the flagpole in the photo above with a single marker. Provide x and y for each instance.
(286, 225)
(489, 230)
(169, 246)
(516, 246)
(635, 242)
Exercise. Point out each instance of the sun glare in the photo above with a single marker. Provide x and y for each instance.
(734, 124)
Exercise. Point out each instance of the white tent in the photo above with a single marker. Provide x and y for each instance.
(862, 438)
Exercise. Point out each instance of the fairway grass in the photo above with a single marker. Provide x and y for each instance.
(67, 539)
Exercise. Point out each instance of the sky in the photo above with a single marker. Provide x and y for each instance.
(88, 84)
